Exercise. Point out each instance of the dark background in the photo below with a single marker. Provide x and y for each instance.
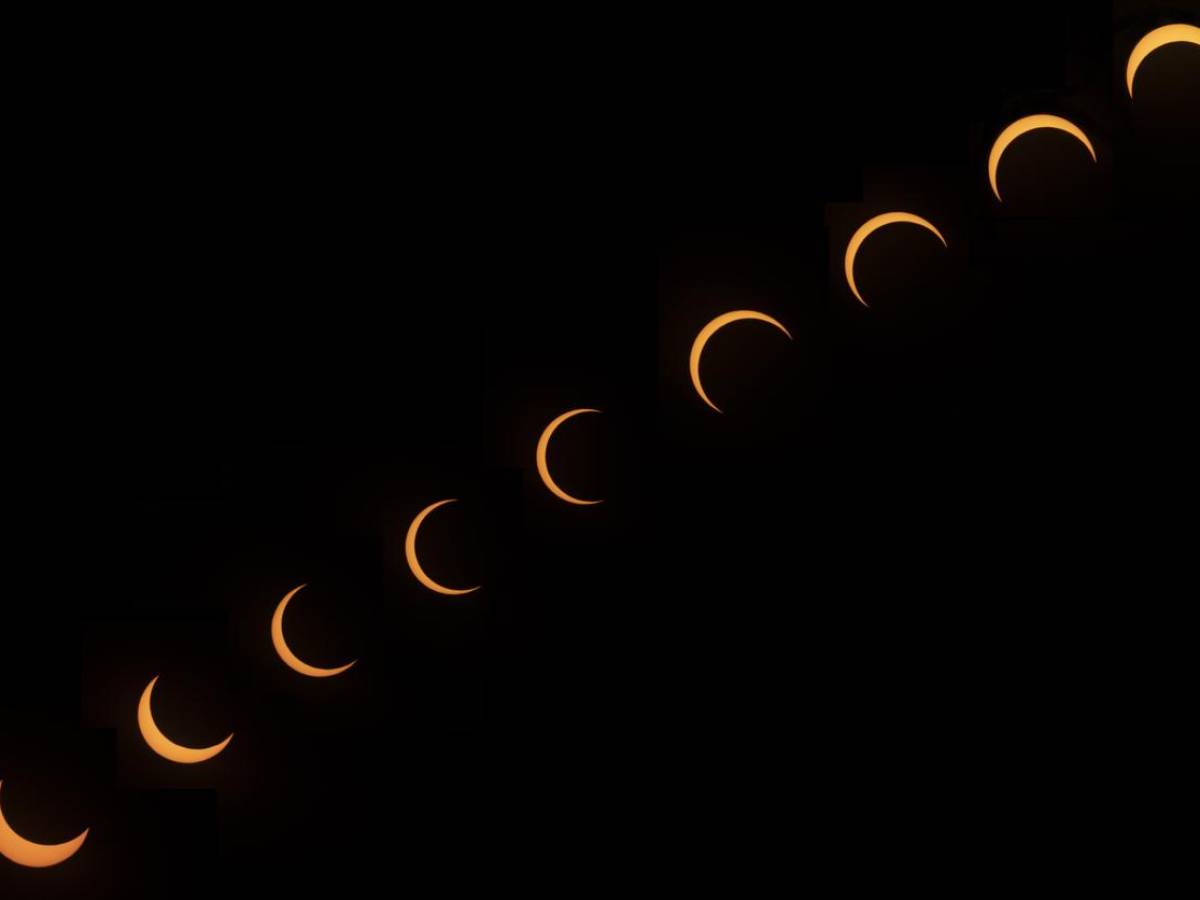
(922, 566)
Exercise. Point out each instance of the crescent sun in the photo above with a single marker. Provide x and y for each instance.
(709, 330)
(285, 652)
(1159, 37)
(410, 551)
(544, 469)
(26, 853)
(1025, 125)
(867, 229)
(164, 746)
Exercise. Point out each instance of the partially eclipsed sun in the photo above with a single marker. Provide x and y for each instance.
(285, 652)
(26, 853)
(1159, 37)
(870, 227)
(712, 328)
(410, 553)
(164, 746)
(543, 466)
(1024, 126)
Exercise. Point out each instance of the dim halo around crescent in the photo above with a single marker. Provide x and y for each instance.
(285, 652)
(1024, 126)
(712, 328)
(25, 852)
(870, 227)
(164, 746)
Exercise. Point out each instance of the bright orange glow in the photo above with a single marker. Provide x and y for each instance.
(285, 652)
(869, 227)
(165, 747)
(410, 551)
(1023, 126)
(38, 856)
(1168, 34)
(709, 330)
(544, 469)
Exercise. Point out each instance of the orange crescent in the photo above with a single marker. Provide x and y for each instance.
(1168, 34)
(26, 853)
(871, 226)
(410, 551)
(285, 652)
(709, 330)
(1025, 125)
(544, 468)
(164, 746)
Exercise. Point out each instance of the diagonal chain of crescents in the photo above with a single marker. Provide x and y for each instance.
(27, 853)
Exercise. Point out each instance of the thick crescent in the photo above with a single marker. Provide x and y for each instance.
(709, 330)
(410, 551)
(26, 853)
(544, 469)
(1027, 124)
(869, 227)
(164, 746)
(1168, 34)
(285, 652)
